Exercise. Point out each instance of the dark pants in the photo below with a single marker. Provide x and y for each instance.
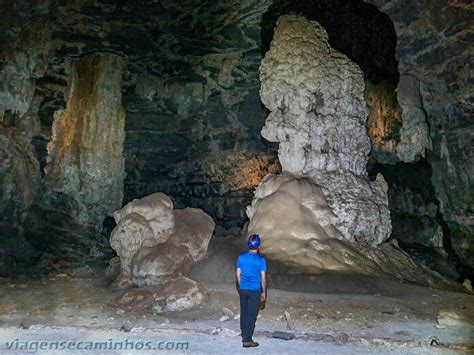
(249, 303)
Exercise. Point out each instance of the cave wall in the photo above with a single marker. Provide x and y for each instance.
(190, 91)
(85, 164)
(193, 114)
(433, 47)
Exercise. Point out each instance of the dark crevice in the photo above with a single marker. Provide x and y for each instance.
(464, 271)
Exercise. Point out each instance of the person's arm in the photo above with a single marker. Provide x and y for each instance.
(237, 275)
(263, 295)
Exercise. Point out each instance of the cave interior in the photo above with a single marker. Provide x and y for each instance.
(185, 77)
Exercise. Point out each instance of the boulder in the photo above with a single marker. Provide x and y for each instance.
(178, 294)
(156, 209)
(187, 245)
(156, 243)
(452, 317)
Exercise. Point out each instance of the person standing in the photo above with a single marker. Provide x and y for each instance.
(252, 282)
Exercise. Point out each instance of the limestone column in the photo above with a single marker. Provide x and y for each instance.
(85, 170)
(318, 116)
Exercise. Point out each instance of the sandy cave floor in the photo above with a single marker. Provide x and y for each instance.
(395, 318)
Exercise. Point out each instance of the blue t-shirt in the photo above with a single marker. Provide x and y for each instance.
(251, 265)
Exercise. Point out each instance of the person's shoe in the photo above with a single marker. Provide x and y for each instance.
(249, 344)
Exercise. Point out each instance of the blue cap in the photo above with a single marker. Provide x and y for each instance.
(254, 241)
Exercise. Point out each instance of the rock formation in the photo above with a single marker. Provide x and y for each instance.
(177, 295)
(299, 229)
(194, 115)
(19, 173)
(322, 213)
(315, 95)
(318, 116)
(85, 170)
(432, 46)
(155, 243)
(397, 122)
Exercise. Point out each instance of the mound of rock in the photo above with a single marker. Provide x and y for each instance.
(156, 243)
(299, 229)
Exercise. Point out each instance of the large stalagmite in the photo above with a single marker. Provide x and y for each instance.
(85, 170)
(323, 209)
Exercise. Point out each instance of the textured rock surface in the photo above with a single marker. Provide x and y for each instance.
(433, 46)
(191, 93)
(414, 135)
(193, 111)
(19, 172)
(359, 204)
(156, 209)
(179, 294)
(397, 122)
(318, 113)
(24, 60)
(187, 245)
(85, 155)
(298, 228)
(155, 243)
(140, 224)
(316, 97)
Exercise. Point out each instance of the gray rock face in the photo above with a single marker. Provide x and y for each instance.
(23, 60)
(414, 134)
(26, 59)
(318, 114)
(193, 110)
(85, 154)
(19, 173)
(155, 243)
(433, 46)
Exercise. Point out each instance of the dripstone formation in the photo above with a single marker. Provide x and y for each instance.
(156, 247)
(322, 213)
(316, 98)
(85, 170)
(435, 57)
(189, 87)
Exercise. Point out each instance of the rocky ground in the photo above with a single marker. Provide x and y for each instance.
(340, 315)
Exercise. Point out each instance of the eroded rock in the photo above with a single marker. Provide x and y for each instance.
(397, 124)
(178, 294)
(85, 170)
(316, 96)
(299, 229)
(19, 172)
(156, 243)
(431, 48)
